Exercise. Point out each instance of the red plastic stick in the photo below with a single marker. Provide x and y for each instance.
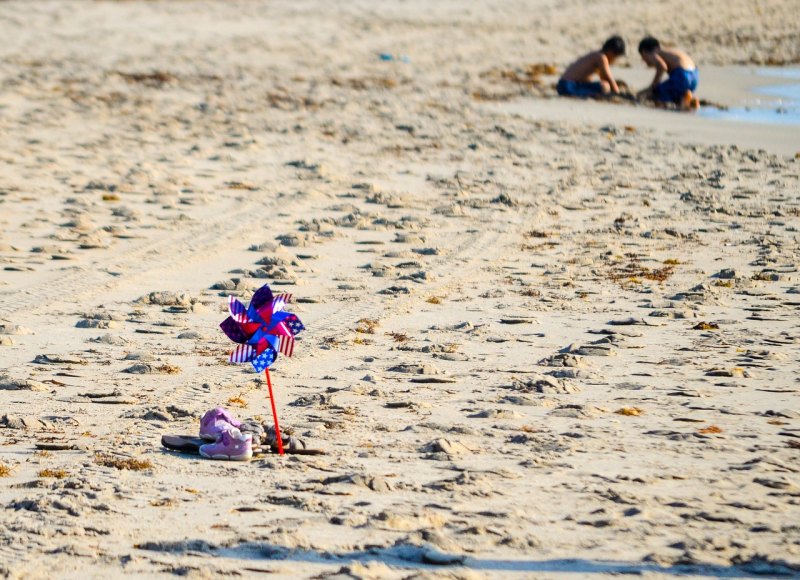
(274, 414)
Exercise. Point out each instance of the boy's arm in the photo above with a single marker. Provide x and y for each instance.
(661, 69)
(605, 74)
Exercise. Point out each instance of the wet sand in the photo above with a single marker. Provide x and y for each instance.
(538, 344)
(729, 86)
(665, 125)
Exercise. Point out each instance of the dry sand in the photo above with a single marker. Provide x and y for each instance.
(548, 347)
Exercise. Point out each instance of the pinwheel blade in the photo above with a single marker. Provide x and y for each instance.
(266, 341)
(262, 297)
(286, 324)
(278, 326)
(242, 353)
(286, 345)
(280, 301)
(265, 359)
(237, 310)
(294, 324)
(233, 330)
(249, 328)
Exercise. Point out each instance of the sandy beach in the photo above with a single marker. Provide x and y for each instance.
(545, 338)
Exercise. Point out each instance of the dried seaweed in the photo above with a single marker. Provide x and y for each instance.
(127, 463)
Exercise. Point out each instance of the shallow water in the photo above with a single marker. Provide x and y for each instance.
(780, 73)
(781, 105)
(789, 93)
(781, 115)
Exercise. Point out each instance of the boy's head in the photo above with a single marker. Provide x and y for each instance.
(613, 48)
(647, 48)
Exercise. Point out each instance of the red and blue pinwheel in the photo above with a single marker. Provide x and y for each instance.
(262, 330)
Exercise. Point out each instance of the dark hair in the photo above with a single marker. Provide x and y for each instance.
(649, 44)
(615, 45)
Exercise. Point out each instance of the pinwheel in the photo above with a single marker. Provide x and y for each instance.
(262, 330)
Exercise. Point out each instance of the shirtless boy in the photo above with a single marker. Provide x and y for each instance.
(577, 79)
(682, 80)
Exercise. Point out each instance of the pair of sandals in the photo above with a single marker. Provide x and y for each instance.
(224, 437)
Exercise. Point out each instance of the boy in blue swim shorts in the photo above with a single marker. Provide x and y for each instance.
(681, 82)
(577, 80)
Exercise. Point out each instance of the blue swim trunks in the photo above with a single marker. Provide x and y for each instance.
(672, 90)
(578, 89)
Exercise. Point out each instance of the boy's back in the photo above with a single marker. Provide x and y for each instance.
(675, 58)
(583, 69)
